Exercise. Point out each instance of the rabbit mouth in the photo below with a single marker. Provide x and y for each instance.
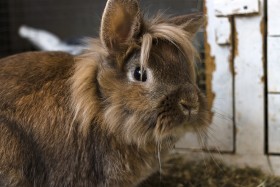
(180, 113)
(172, 123)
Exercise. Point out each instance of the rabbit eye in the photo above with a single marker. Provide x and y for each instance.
(140, 75)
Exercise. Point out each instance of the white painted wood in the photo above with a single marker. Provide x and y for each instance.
(220, 132)
(274, 123)
(189, 141)
(248, 94)
(275, 164)
(273, 63)
(223, 31)
(273, 15)
(236, 7)
(249, 85)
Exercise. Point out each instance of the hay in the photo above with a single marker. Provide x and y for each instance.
(176, 173)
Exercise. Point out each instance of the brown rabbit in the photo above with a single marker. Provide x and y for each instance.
(106, 117)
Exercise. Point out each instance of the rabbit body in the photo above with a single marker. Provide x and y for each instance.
(36, 148)
(106, 117)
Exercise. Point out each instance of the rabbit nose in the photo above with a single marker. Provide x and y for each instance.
(185, 106)
(189, 104)
(188, 108)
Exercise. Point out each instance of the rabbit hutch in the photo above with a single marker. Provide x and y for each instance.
(241, 51)
(242, 44)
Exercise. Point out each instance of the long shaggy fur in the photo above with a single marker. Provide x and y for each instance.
(88, 120)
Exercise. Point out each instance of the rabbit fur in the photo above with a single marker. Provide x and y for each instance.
(103, 118)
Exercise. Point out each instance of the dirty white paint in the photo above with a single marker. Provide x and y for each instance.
(220, 133)
(249, 85)
(273, 76)
(273, 15)
(273, 64)
(275, 164)
(236, 7)
(221, 130)
(190, 141)
(223, 31)
(249, 90)
(274, 123)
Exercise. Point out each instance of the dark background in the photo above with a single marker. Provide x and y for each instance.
(69, 19)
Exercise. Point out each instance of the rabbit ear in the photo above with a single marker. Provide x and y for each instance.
(120, 22)
(190, 22)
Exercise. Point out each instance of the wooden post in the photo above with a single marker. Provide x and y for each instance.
(219, 80)
(273, 72)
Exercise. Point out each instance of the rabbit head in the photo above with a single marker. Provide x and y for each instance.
(138, 81)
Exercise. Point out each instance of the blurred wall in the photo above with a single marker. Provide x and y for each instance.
(68, 18)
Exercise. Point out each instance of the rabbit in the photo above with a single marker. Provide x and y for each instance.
(108, 116)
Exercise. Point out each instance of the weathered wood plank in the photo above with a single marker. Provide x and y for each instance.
(223, 31)
(190, 141)
(273, 63)
(273, 15)
(236, 7)
(249, 85)
(220, 84)
(249, 98)
(274, 123)
(275, 164)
